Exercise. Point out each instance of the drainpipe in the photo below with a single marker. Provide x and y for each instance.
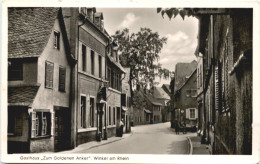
(214, 87)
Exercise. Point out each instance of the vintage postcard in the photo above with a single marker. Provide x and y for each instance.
(130, 82)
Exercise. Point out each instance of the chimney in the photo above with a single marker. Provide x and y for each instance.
(98, 20)
(90, 13)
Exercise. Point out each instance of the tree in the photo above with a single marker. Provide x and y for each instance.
(173, 12)
(139, 51)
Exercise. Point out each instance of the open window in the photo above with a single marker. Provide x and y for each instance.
(41, 124)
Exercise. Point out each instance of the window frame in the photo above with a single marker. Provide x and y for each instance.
(92, 58)
(83, 111)
(188, 94)
(15, 122)
(84, 57)
(191, 113)
(100, 66)
(15, 67)
(92, 111)
(38, 130)
(49, 80)
(56, 43)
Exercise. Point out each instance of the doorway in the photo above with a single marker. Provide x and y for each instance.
(62, 129)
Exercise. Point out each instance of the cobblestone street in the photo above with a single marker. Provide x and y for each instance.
(145, 139)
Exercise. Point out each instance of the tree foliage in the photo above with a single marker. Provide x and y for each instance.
(140, 51)
(173, 12)
(139, 101)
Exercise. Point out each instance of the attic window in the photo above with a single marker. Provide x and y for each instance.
(57, 40)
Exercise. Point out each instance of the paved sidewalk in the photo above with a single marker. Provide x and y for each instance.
(198, 148)
(93, 144)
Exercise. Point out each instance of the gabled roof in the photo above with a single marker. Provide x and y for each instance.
(193, 73)
(182, 72)
(29, 30)
(166, 88)
(21, 95)
(159, 93)
(153, 100)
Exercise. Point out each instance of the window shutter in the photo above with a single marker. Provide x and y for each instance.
(52, 123)
(62, 78)
(33, 131)
(49, 75)
(216, 89)
(187, 113)
(196, 113)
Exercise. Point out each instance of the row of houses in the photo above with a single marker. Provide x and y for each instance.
(215, 93)
(224, 75)
(156, 106)
(65, 83)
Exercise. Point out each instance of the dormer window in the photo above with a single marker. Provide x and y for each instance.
(57, 40)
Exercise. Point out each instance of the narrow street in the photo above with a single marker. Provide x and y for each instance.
(146, 139)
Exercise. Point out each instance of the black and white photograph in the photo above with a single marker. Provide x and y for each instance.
(96, 80)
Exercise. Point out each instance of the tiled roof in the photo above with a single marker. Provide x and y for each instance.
(193, 73)
(29, 30)
(153, 100)
(182, 73)
(159, 93)
(22, 95)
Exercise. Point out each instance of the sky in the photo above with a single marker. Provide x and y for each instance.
(181, 34)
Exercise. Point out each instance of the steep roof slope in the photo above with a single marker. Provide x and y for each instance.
(29, 30)
(159, 93)
(166, 88)
(182, 73)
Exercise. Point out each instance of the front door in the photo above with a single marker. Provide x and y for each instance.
(62, 129)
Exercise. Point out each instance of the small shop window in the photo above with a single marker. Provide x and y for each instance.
(41, 124)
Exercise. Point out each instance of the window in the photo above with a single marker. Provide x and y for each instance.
(109, 115)
(188, 93)
(57, 40)
(92, 112)
(114, 116)
(193, 93)
(123, 99)
(100, 65)
(92, 62)
(41, 124)
(112, 79)
(147, 117)
(15, 122)
(15, 71)
(83, 112)
(84, 58)
(192, 113)
(49, 74)
(62, 78)
(109, 76)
